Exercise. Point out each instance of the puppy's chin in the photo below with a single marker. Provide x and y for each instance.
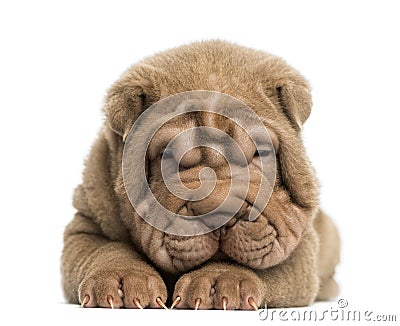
(188, 252)
(254, 244)
(177, 253)
(258, 244)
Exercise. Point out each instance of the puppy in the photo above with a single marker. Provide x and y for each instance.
(284, 257)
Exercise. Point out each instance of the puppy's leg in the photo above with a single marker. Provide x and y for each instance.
(99, 272)
(328, 256)
(294, 282)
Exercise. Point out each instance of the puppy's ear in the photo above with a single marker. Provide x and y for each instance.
(124, 103)
(295, 101)
(134, 92)
(297, 174)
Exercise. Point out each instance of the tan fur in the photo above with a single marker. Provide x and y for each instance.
(284, 258)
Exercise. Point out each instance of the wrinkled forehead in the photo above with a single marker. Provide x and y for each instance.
(224, 117)
(242, 128)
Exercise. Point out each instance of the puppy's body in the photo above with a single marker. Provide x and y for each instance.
(109, 248)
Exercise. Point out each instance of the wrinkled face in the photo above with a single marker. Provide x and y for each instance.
(259, 240)
(187, 251)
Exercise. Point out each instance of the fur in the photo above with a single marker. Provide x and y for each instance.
(108, 247)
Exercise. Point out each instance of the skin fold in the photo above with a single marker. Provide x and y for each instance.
(284, 258)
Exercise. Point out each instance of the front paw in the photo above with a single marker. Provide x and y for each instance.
(219, 286)
(122, 288)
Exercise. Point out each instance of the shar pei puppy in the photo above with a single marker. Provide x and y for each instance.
(122, 250)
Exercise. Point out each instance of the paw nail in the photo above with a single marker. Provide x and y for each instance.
(176, 301)
(110, 301)
(159, 301)
(120, 293)
(252, 303)
(197, 304)
(224, 302)
(85, 300)
(137, 303)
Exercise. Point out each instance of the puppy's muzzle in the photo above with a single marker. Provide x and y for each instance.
(198, 208)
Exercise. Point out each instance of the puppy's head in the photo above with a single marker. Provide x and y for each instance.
(281, 99)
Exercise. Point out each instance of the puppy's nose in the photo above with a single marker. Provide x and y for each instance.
(191, 158)
(195, 208)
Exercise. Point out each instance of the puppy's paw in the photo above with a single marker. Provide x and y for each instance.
(122, 288)
(219, 286)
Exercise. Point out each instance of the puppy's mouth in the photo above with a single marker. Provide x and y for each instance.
(224, 214)
(258, 244)
(255, 244)
(251, 243)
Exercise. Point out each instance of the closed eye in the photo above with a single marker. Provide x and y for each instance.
(167, 153)
(262, 152)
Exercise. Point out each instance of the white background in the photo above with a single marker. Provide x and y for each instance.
(57, 60)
